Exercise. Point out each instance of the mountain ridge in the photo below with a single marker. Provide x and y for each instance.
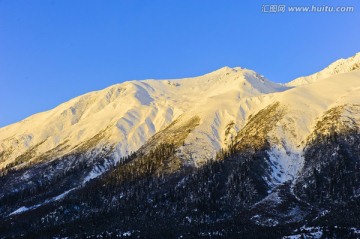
(340, 66)
(135, 101)
(198, 151)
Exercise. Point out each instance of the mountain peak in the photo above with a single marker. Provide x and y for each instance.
(338, 67)
(345, 65)
(231, 78)
(224, 70)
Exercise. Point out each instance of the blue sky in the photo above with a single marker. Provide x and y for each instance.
(52, 51)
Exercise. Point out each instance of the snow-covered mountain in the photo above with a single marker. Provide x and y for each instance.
(269, 139)
(338, 67)
(128, 114)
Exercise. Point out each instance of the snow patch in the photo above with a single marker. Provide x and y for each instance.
(307, 232)
(56, 198)
(284, 164)
(264, 221)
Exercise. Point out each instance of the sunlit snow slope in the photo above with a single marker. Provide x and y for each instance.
(338, 67)
(124, 116)
(121, 118)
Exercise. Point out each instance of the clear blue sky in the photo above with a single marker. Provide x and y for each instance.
(52, 51)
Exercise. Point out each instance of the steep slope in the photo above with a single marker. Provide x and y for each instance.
(337, 67)
(128, 114)
(303, 107)
(263, 185)
(284, 157)
(53, 152)
(332, 162)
